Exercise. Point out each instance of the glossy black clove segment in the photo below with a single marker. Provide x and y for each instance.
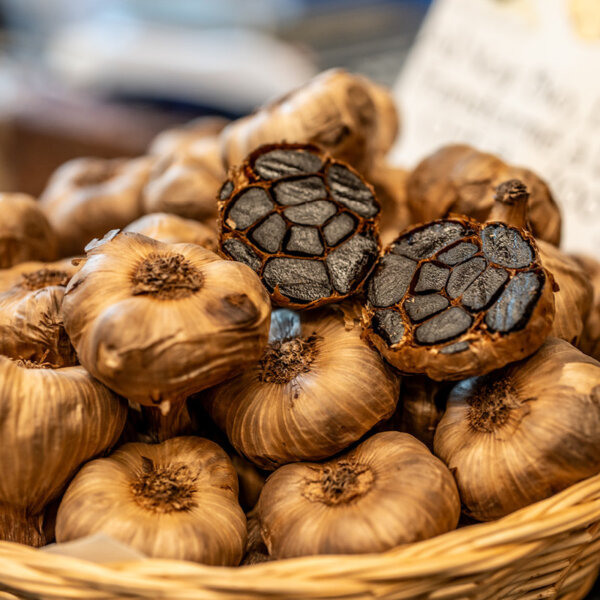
(280, 162)
(506, 247)
(301, 280)
(388, 324)
(249, 207)
(511, 310)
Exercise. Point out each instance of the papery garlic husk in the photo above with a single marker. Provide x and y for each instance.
(25, 232)
(590, 340)
(422, 407)
(52, 421)
(251, 480)
(462, 180)
(177, 139)
(347, 115)
(574, 297)
(523, 433)
(87, 197)
(389, 490)
(187, 182)
(158, 322)
(175, 500)
(172, 229)
(316, 389)
(31, 326)
(256, 551)
(390, 188)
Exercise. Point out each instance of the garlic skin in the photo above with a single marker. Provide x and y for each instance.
(317, 388)
(187, 182)
(347, 115)
(175, 500)
(53, 420)
(177, 139)
(25, 232)
(523, 433)
(31, 326)
(172, 229)
(256, 551)
(87, 197)
(460, 179)
(390, 490)
(590, 340)
(390, 188)
(158, 322)
(574, 297)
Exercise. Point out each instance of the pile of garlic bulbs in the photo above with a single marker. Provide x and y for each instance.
(263, 341)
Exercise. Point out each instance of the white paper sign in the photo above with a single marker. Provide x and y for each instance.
(519, 78)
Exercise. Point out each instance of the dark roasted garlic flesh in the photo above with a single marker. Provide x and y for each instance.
(317, 388)
(390, 490)
(174, 500)
(306, 223)
(523, 433)
(454, 298)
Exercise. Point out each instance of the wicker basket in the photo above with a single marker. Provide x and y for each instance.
(548, 550)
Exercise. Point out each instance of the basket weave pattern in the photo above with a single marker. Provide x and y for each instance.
(548, 550)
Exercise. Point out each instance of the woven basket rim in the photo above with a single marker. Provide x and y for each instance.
(462, 552)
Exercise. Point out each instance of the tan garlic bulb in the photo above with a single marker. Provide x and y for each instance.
(462, 180)
(389, 490)
(175, 500)
(31, 326)
(390, 188)
(316, 389)
(590, 340)
(25, 232)
(157, 322)
(574, 297)
(347, 115)
(52, 421)
(176, 139)
(187, 182)
(523, 433)
(87, 197)
(172, 229)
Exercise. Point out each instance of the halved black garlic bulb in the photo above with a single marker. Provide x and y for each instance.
(454, 298)
(306, 223)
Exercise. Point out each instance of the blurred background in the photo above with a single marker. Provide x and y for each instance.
(102, 77)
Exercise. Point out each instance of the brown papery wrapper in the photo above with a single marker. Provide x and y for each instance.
(53, 420)
(349, 505)
(523, 433)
